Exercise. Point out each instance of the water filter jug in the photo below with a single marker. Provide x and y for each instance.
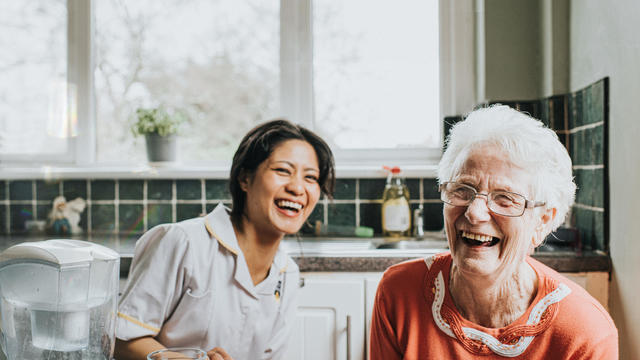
(58, 300)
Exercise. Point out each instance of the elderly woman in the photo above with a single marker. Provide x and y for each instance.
(506, 182)
(222, 282)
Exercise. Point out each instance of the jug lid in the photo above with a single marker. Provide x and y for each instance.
(59, 251)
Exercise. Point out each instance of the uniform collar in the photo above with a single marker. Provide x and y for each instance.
(220, 228)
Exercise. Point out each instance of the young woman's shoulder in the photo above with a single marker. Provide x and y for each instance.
(176, 239)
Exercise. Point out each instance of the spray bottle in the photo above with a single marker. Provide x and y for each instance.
(396, 212)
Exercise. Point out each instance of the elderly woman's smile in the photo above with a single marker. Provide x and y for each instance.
(473, 239)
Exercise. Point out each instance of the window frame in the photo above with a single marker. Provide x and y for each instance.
(296, 58)
(70, 155)
(458, 88)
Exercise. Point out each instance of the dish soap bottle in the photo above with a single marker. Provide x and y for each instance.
(396, 213)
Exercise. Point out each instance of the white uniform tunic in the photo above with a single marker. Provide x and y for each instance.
(189, 285)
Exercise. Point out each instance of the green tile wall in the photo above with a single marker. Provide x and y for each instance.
(345, 189)
(580, 120)
(103, 190)
(130, 207)
(371, 189)
(131, 218)
(158, 214)
(371, 216)
(3, 218)
(75, 188)
(342, 214)
(131, 189)
(159, 189)
(46, 190)
(18, 215)
(217, 189)
(187, 211)
(103, 218)
(189, 189)
(20, 190)
(588, 119)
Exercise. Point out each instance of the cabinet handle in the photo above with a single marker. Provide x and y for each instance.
(348, 337)
(301, 282)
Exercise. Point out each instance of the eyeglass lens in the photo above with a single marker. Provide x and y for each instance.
(499, 202)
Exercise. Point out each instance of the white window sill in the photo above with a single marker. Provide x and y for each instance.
(185, 171)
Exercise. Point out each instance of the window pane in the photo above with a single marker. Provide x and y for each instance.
(219, 60)
(35, 112)
(376, 82)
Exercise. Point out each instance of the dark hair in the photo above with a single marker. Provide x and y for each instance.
(258, 145)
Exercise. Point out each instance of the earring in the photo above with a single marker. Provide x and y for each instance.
(538, 229)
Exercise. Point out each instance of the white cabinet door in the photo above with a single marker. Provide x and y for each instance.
(331, 319)
(371, 282)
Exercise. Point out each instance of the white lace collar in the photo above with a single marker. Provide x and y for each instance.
(502, 349)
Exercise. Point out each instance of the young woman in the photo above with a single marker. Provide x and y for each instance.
(221, 282)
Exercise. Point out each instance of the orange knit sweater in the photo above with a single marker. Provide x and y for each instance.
(414, 318)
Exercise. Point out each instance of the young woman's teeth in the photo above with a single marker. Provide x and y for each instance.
(477, 237)
(289, 204)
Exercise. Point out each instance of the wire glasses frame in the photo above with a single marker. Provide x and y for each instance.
(504, 203)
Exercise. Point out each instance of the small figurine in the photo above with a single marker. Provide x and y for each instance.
(64, 217)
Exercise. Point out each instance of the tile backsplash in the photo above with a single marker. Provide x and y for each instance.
(134, 206)
(581, 120)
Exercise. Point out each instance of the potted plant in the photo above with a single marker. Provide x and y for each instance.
(159, 127)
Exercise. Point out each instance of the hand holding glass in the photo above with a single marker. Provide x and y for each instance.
(177, 354)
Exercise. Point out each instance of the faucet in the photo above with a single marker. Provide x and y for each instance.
(418, 222)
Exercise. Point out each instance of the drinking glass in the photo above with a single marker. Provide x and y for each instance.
(178, 354)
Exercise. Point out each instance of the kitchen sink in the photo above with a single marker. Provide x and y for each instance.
(329, 245)
(354, 245)
(414, 244)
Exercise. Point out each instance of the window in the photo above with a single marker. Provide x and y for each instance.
(218, 60)
(37, 108)
(363, 73)
(375, 73)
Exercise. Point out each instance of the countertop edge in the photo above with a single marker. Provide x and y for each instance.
(371, 260)
(589, 262)
(568, 263)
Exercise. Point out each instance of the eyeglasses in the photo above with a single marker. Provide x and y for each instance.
(503, 203)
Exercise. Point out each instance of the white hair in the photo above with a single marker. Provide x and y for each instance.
(529, 144)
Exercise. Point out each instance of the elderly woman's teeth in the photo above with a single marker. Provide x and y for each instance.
(289, 205)
(477, 237)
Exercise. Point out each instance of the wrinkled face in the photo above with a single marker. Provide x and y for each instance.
(476, 236)
(284, 189)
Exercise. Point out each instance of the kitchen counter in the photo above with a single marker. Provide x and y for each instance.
(352, 254)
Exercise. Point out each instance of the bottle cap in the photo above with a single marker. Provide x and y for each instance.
(393, 170)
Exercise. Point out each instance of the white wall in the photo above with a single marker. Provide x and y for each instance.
(604, 42)
(513, 55)
(522, 49)
(554, 32)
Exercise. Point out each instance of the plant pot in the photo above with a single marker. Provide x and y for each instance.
(161, 148)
